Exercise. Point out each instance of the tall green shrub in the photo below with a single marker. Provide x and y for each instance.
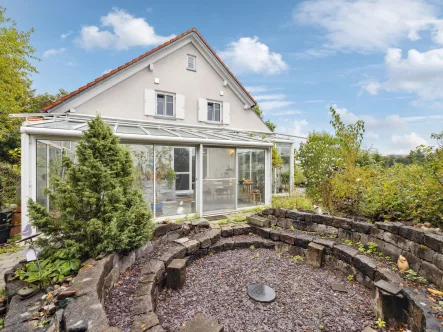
(95, 205)
(319, 157)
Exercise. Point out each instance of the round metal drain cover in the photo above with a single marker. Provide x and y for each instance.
(261, 293)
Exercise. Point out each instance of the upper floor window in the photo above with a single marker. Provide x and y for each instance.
(191, 62)
(165, 104)
(214, 111)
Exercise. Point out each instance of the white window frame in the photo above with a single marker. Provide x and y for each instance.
(164, 115)
(213, 111)
(189, 173)
(194, 58)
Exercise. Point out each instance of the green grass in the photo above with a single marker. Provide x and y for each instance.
(239, 218)
(293, 202)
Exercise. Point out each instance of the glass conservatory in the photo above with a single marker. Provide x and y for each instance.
(181, 170)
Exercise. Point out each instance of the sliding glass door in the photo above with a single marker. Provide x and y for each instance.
(251, 177)
(219, 179)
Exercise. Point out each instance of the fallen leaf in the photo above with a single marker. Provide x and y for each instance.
(435, 292)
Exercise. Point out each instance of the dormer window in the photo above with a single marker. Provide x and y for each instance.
(191, 62)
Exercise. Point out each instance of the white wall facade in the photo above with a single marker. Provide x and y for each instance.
(127, 98)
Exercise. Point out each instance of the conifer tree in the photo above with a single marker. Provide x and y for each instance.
(95, 204)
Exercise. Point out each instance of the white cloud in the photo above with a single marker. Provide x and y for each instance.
(286, 112)
(371, 87)
(313, 53)
(261, 89)
(296, 128)
(313, 101)
(250, 55)
(65, 35)
(407, 142)
(389, 122)
(278, 96)
(369, 25)
(54, 52)
(106, 71)
(269, 106)
(420, 73)
(371, 134)
(125, 31)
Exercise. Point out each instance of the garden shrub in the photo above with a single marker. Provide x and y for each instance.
(293, 202)
(348, 188)
(9, 184)
(344, 178)
(319, 158)
(404, 193)
(95, 204)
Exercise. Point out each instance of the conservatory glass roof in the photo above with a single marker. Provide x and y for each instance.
(73, 125)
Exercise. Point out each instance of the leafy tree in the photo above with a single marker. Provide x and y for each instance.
(16, 54)
(349, 137)
(319, 157)
(10, 149)
(95, 205)
(38, 101)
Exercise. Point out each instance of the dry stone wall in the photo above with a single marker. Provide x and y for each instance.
(423, 250)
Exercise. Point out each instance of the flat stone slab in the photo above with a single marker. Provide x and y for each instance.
(387, 287)
(203, 324)
(339, 288)
(261, 293)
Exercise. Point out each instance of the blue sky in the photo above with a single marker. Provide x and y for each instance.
(376, 60)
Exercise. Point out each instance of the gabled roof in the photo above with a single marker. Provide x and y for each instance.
(151, 52)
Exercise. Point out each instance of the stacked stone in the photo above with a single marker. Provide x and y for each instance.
(423, 250)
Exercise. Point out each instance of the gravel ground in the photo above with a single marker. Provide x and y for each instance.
(121, 298)
(216, 287)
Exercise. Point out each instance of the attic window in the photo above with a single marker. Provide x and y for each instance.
(191, 62)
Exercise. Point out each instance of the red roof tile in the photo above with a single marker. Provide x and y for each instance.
(72, 94)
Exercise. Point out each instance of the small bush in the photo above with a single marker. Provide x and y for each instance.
(294, 202)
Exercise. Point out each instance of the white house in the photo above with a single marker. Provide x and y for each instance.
(198, 147)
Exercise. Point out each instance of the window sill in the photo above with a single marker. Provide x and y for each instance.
(194, 70)
(214, 122)
(165, 117)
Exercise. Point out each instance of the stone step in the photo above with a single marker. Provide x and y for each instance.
(258, 221)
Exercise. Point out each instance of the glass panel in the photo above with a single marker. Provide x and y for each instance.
(219, 180)
(143, 159)
(42, 173)
(158, 132)
(282, 175)
(182, 182)
(217, 112)
(210, 112)
(175, 196)
(169, 105)
(49, 163)
(130, 130)
(191, 62)
(57, 125)
(185, 134)
(181, 160)
(251, 170)
(160, 104)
